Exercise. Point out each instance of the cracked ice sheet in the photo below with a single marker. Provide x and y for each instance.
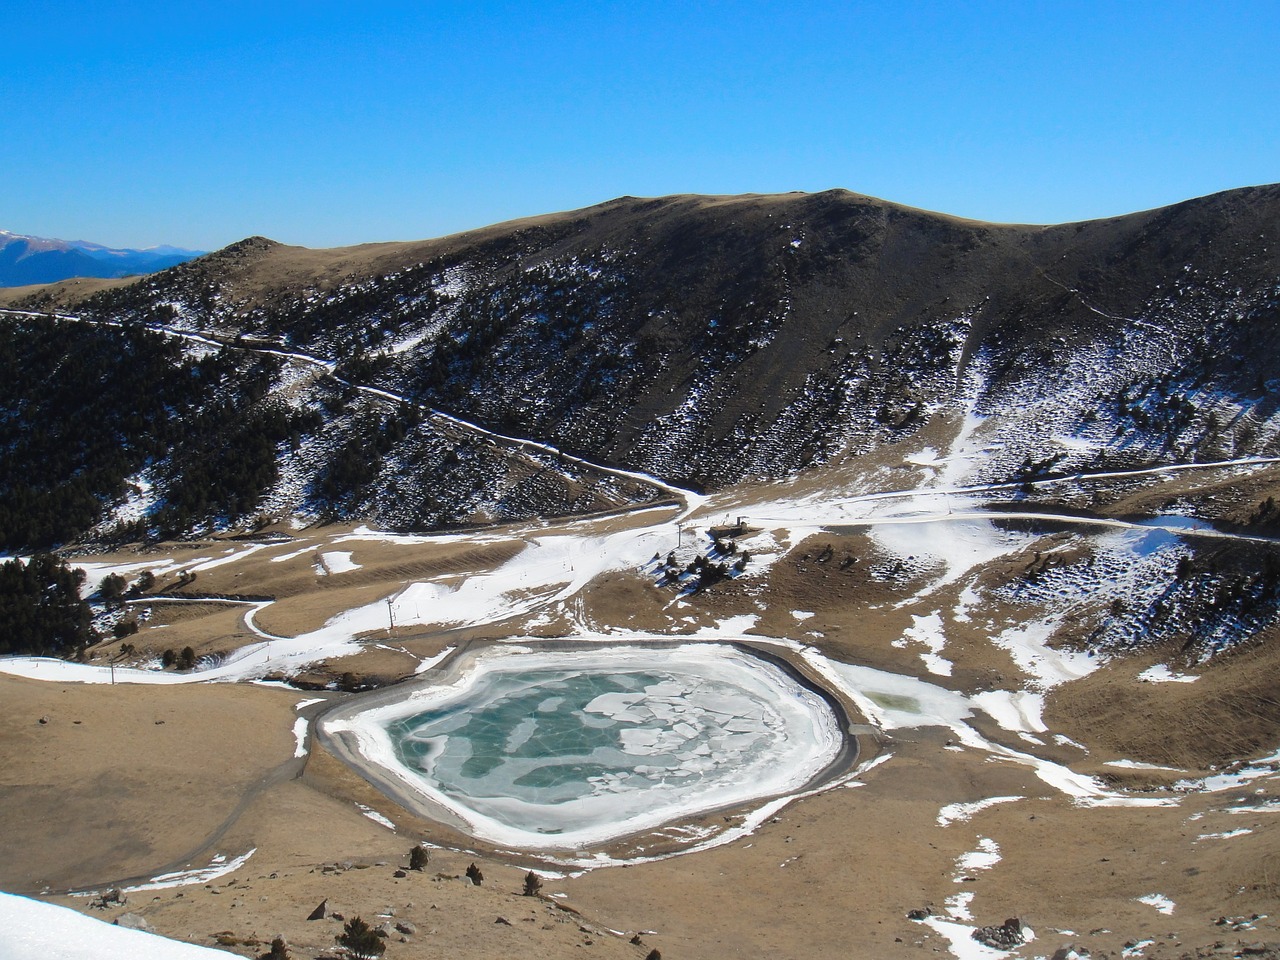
(806, 737)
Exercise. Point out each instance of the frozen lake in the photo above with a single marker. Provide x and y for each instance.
(558, 748)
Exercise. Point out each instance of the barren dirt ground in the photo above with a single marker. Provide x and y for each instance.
(109, 785)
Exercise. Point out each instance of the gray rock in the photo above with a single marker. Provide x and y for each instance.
(405, 927)
(134, 921)
(320, 912)
(1004, 937)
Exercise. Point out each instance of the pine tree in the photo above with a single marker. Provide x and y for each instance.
(360, 940)
(532, 885)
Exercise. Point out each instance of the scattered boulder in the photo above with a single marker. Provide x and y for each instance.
(1004, 937)
(112, 898)
(504, 921)
(399, 874)
(418, 857)
(920, 913)
(134, 921)
(406, 927)
(320, 912)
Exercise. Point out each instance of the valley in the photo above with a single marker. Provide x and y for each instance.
(1027, 542)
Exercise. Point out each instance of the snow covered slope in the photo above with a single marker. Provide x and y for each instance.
(710, 340)
(38, 931)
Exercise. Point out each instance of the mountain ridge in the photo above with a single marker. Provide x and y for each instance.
(713, 340)
(27, 260)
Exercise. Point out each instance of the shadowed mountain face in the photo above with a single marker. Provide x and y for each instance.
(711, 340)
(30, 260)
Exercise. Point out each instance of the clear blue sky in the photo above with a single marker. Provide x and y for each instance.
(324, 123)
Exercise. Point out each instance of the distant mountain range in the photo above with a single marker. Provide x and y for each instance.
(25, 260)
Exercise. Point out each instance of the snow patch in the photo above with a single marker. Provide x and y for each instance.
(335, 563)
(1227, 835)
(1048, 666)
(220, 867)
(961, 812)
(1160, 673)
(376, 817)
(34, 930)
(984, 858)
(1162, 903)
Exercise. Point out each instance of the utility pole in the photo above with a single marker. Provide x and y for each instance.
(391, 616)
